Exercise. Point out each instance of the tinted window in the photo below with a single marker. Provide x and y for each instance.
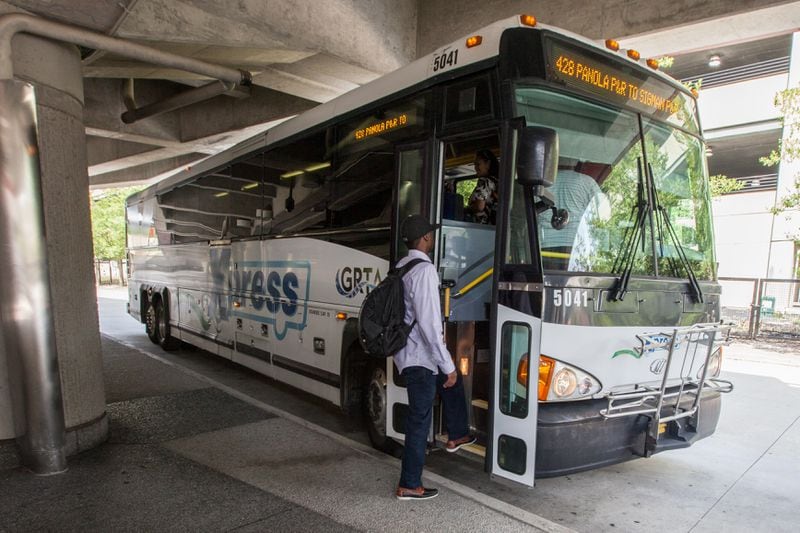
(468, 100)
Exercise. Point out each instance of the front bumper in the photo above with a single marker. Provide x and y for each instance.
(572, 436)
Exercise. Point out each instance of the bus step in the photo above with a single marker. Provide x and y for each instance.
(475, 450)
(480, 404)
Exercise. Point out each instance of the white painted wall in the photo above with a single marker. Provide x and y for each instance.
(743, 224)
(740, 103)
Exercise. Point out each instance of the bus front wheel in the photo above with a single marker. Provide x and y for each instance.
(375, 404)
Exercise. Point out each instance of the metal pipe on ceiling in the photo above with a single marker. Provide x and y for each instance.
(15, 23)
(180, 100)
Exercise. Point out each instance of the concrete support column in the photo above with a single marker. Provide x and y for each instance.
(55, 71)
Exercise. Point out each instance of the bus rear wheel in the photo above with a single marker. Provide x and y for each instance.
(375, 406)
(151, 322)
(162, 333)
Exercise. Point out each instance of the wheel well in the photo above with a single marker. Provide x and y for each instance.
(146, 295)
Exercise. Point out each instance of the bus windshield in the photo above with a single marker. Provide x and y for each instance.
(604, 168)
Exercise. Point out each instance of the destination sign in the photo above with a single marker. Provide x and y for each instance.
(621, 85)
(383, 126)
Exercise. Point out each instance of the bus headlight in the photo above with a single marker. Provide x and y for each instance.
(565, 383)
(714, 365)
(559, 381)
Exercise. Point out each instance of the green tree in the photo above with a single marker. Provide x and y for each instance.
(108, 222)
(788, 150)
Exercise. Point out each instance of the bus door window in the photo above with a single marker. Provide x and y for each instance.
(467, 245)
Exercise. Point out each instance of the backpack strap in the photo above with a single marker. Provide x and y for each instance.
(403, 270)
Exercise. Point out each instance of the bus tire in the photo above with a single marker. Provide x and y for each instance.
(151, 322)
(165, 339)
(375, 406)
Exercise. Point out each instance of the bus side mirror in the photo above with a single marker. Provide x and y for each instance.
(537, 156)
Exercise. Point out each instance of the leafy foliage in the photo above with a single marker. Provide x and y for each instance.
(665, 62)
(722, 184)
(788, 150)
(108, 222)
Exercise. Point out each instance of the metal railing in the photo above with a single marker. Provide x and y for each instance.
(110, 272)
(761, 306)
(677, 397)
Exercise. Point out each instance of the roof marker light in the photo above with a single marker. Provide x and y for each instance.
(652, 63)
(527, 20)
(611, 44)
(634, 54)
(475, 40)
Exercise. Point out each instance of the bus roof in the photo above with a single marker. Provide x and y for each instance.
(407, 76)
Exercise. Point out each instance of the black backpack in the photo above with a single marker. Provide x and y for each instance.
(381, 326)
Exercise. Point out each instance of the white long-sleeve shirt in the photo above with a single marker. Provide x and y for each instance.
(425, 346)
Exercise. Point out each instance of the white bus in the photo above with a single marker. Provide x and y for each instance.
(263, 254)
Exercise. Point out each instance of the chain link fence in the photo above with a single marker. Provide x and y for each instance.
(112, 272)
(761, 306)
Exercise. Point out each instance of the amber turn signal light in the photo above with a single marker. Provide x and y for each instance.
(546, 366)
(475, 40)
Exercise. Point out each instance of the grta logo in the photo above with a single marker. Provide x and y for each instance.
(352, 281)
(273, 292)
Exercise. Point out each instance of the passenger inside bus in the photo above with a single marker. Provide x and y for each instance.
(483, 200)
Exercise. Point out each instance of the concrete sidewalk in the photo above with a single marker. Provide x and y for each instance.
(185, 455)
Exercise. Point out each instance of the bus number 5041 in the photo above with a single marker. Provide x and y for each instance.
(571, 297)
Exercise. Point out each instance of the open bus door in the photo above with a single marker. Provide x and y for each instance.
(517, 315)
(412, 195)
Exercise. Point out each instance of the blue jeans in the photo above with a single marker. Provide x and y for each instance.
(455, 407)
(421, 385)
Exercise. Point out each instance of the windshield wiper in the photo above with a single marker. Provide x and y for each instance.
(633, 236)
(663, 217)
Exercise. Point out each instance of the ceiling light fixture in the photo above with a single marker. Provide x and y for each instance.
(714, 61)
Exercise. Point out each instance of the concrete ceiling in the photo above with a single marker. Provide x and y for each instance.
(694, 65)
(303, 52)
(300, 53)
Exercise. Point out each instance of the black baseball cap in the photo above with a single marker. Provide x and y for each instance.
(415, 226)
